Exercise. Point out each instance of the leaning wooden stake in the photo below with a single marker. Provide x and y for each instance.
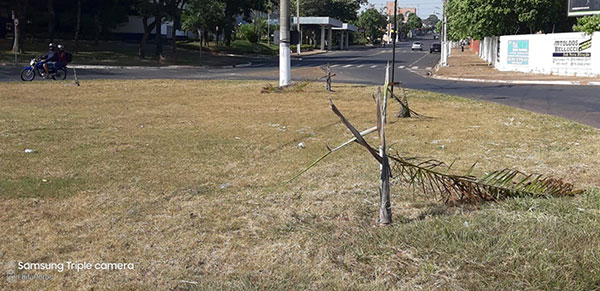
(75, 75)
(328, 79)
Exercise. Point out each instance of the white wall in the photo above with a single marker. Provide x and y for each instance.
(569, 54)
(488, 50)
(134, 25)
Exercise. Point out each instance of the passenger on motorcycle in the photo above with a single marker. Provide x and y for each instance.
(62, 57)
(49, 60)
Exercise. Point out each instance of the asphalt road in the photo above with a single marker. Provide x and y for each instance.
(367, 66)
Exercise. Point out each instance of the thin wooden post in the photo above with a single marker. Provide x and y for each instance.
(75, 75)
(385, 205)
(328, 84)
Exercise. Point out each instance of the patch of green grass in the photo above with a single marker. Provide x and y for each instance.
(41, 187)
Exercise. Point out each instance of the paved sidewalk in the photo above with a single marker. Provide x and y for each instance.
(467, 66)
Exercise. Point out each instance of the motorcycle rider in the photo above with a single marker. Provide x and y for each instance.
(49, 60)
(62, 57)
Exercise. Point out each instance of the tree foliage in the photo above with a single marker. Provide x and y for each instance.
(432, 20)
(414, 22)
(588, 24)
(481, 18)
(344, 10)
(373, 23)
(203, 15)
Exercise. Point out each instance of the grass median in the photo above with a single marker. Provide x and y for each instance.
(183, 178)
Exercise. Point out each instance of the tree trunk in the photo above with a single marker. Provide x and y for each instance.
(97, 27)
(51, 19)
(227, 33)
(78, 26)
(17, 39)
(147, 30)
(174, 38)
(158, 33)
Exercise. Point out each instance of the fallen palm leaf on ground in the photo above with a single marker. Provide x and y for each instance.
(494, 186)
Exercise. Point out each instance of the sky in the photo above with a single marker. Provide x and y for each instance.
(424, 7)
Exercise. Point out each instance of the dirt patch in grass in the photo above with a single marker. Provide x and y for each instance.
(182, 178)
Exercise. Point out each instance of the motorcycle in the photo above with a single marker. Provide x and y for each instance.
(36, 67)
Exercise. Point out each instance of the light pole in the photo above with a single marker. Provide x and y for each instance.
(298, 25)
(394, 37)
(285, 75)
(444, 57)
(269, 10)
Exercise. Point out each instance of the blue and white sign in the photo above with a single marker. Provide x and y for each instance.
(518, 52)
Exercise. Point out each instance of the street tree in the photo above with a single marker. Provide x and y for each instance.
(588, 24)
(414, 22)
(373, 23)
(233, 9)
(344, 10)
(432, 20)
(478, 18)
(203, 16)
(20, 8)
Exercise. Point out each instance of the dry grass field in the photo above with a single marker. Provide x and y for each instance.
(183, 179)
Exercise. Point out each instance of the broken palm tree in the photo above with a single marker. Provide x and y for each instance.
(327, 78)
(431, 179)
(405, 111)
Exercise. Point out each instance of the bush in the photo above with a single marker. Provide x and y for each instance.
(247, 32)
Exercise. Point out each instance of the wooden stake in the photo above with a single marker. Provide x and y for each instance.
(385, 205)
(75, 75)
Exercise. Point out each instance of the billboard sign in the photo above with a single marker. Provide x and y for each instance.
(518, 52)
(572, 53)
(583, 7)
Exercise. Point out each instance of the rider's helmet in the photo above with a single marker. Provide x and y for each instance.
(51, 45)
(60, 47)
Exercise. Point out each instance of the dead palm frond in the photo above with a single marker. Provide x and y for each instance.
(430, 177)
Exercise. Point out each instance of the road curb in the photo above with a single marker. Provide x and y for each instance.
(519, 82)
(237, 66)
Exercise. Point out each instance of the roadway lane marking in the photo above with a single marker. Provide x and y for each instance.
(415, 62)
(401, 67)
(347, 66)
(333, 66)
(415, 68)
(373, 66)
(360, 66)
(428, 68)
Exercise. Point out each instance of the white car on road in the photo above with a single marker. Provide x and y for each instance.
(417, 45)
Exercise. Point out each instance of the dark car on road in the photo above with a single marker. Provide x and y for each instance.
(435, 47)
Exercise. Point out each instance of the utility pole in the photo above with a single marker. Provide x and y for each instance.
(445, 51)
(269, 10)
(394, 35)
(285, 75)
(299, 31)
